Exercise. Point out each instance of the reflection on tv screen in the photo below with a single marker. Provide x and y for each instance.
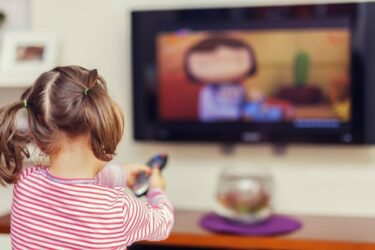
(283, 75)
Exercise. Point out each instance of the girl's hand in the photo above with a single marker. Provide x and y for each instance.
(156, 179)
(132, 172)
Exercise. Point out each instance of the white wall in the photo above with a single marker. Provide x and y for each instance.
(309, 179)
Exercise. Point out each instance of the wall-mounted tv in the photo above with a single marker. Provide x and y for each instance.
(277, 74)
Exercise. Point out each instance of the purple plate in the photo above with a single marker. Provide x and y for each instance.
(275, 225)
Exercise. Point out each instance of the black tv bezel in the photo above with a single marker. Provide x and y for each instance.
(148, 128)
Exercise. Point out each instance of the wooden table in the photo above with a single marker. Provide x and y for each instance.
(318, 233)
(5, 224)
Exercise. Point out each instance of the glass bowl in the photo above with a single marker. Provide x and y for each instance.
(244, 194)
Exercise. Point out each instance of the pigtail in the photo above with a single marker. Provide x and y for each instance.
(92, 78)
(104, 118)
(107, 125)
(12, 143)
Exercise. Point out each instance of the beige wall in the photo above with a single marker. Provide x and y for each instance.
(309, 179)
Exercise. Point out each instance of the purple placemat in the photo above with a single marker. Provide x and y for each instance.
(275, 225)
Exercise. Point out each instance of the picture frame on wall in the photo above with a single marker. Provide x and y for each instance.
(28, 53)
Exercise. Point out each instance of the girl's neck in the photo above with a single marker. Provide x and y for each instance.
(75, 159)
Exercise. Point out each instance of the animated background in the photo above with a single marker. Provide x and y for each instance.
(324, 95)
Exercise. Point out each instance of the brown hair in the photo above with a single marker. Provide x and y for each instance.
(70, 100)
(210, 44)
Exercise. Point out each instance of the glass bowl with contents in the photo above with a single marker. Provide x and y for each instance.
(244, 194)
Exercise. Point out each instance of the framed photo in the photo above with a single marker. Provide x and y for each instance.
(28, 53)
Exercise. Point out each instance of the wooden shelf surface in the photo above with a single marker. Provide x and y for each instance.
(5, 224)
(317, 233)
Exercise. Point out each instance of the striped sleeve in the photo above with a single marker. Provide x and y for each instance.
(152, 220)
(112, 175)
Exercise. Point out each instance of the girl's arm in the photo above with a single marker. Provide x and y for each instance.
(152, 220)
(114, 175)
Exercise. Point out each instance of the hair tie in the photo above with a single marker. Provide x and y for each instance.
(25, 104)
(86, 92)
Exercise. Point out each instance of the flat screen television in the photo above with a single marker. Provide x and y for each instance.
(280, 74)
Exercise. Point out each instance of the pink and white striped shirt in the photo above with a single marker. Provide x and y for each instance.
(49, 212)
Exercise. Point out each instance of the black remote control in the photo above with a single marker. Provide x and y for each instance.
(140, 187)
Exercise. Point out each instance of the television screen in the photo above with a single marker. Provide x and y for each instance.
(273, 76)
(276, 74)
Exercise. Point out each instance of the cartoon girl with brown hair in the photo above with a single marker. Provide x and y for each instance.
(220, 63)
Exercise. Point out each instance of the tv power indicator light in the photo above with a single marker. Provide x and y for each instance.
(251, 137)
(347, 138)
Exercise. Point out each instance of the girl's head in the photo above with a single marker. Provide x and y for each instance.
(220, 60)
(66, 101)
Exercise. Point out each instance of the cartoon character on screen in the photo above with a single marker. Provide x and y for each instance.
(220, 64)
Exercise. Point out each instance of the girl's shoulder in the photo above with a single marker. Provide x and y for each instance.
(29, 170)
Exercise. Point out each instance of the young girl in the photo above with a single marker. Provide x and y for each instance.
(77, 201)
